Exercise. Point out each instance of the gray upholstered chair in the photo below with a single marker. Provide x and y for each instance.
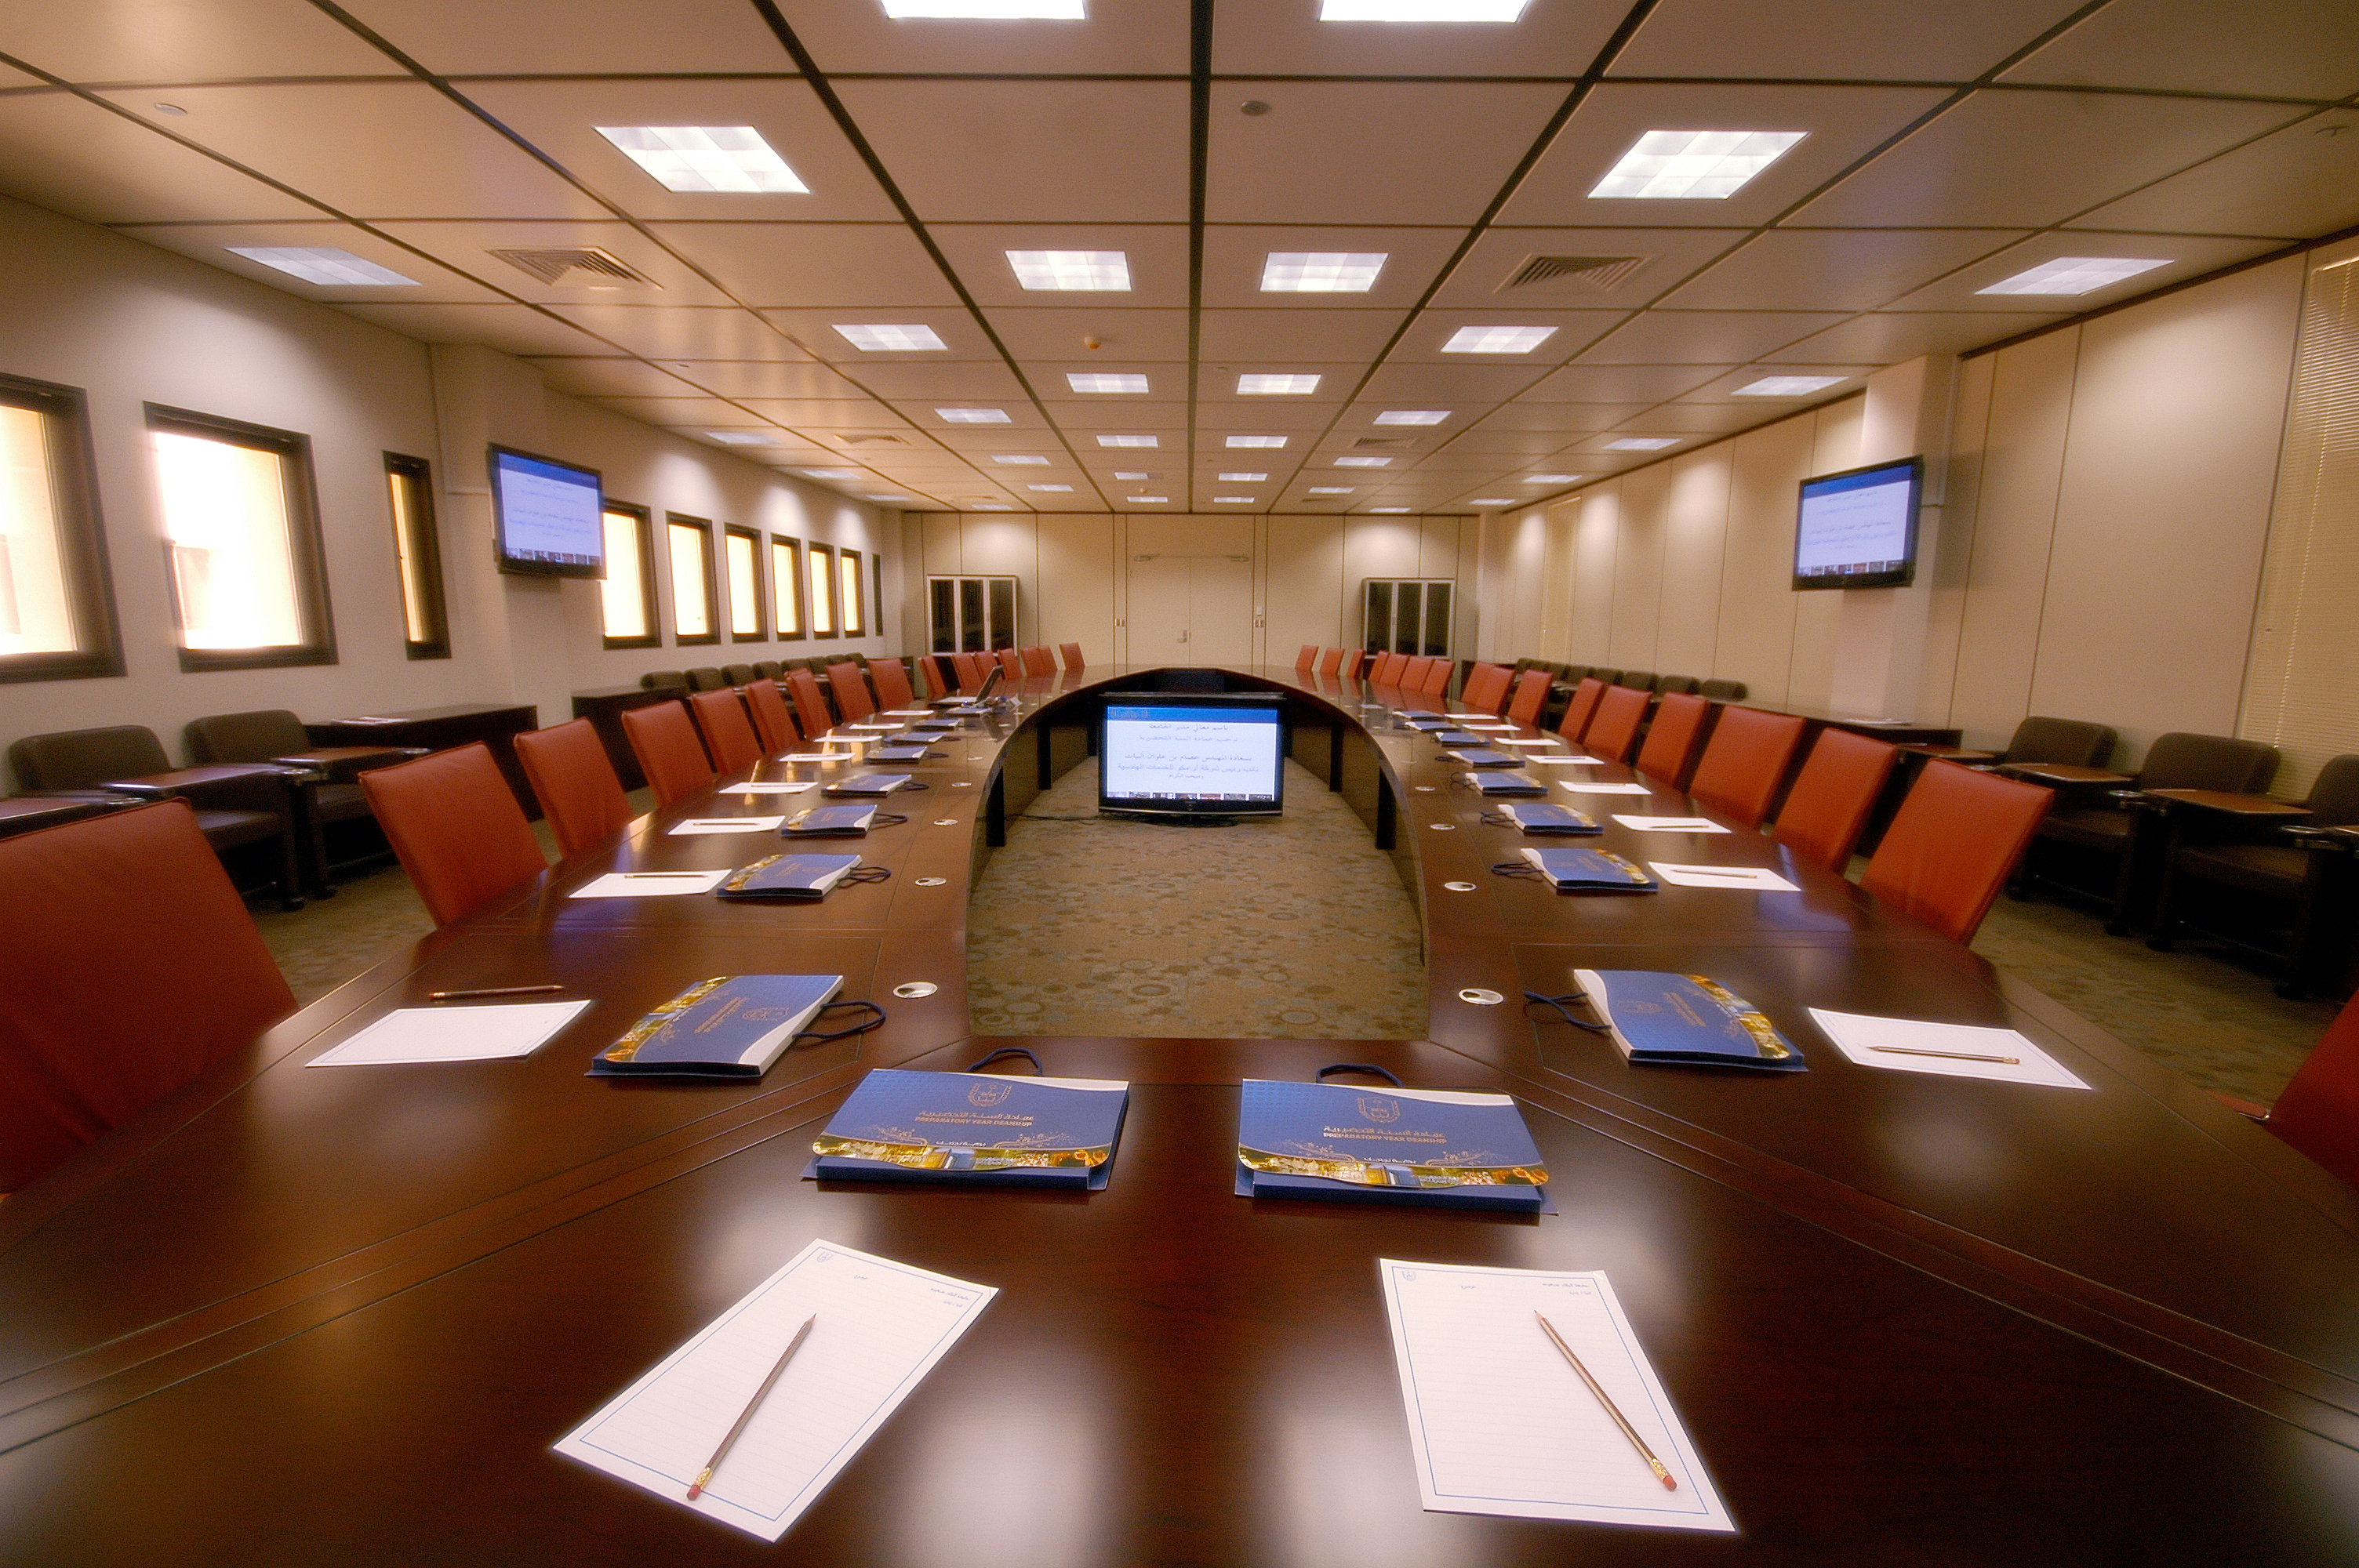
(328, 795)
(1720, 690)
(2086, 844)
(2288, 891)
(706, 678)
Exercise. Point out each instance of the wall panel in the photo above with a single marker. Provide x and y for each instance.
(1638, 568)
(1756, 640)
(1305, 594)
(1076, 603)
(1695, 538)
(1597, 543)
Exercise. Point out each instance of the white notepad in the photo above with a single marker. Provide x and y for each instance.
(1856, 1035)
(881, 1327)
(1739, 879)
(1601, 788)
(1500, 1424)
(821, 757)
(460, 1034)
(777, 787)
(1669, 824)
(1536, 744)
(695, 825)
(650, 884)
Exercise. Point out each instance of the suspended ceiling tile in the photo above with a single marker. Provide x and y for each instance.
(1705, 337)
(2183, 256)
(816, 330)
(73, 156)
(1833, 269)
(372, 149)
(467, 247)
(1269, 336)
(1514, 446)
(1665, 256)
(1117, 415)
(1574, 329)
(1167, 381)
(754, 378)
(186, 40)
(1552, 38)
(1120, 37)
(1124, 335)
(1362, 153)
(1437, 385)
(910, 379)
(2294, 48)
(610, 377)
(1889, 40)
(815, 266)
(1890, 337)
(211, 245)
(1030, 152)
(1270, 415)
(830, 414)
(1600, 445)
(1621, 384)
(677, 332)
(1571, 417)
(1234, 257)
(2296, 183)
(511, 329)
(561, 119)
(1157, 259)
(1844, 124)
(1700, 419)
(2001, 159)
(1724, 389)
(454, 38)
(1361, 419)
(713, 412)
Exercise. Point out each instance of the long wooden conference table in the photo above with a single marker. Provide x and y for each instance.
(340, 1317)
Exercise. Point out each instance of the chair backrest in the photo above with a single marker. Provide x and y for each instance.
(1745, 761)
(962, 675)
(1485, 687)
(246, 737)
(1637, 680)
(707, 677)
(1531, 695)
(768, 669)
(729, 738)
(2334, 794)
(2074, 742)
(1620, 710)
(664, 740)
(79, 759)
(2318, 1111)
(2182, 760)
(1672, 739)
(1040, 661)
(1725, 690)
(568, 770)
(1011, 662)
(133, 908)
(1438, 672)
(1582, 708)
(664, 680)
(772, 722)
(1306, 660)
(1380, 668)
(1606, 677)
(853, 700)
(811, 708)
(1664, 684)
(1354, 660)
(1955, 839)
(1071, 653)
(1831, 795)
(891, 678)
(1330, 660)
(739, 675)
(456, 827)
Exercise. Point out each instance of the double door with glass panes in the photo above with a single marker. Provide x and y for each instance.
(1408, 615)
(970, 614)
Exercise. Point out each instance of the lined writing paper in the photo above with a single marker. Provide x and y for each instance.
(649, 884)
(1743, 878)
(1857, 1035)
(1499, 1424)
(697, 824)
(1600, 788)
(882, 1326)
(454, 1034)
(1669, 824)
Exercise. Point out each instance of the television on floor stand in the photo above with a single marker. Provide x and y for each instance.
(1192, 757)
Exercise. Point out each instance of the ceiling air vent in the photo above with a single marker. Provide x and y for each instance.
(870, 441)
(1382, 444)
(551, 262)
(1571, 275)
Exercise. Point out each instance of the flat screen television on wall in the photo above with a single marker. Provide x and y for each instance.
(1858, 528)
(1192, 755)
(548, 517)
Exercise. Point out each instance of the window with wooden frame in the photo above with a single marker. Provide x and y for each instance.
(689, 542)
(741, 556)
(627, 600)
(418, 555)
(786, 588)
(822, 591)
(854, 601)
(240, 543)
(57, 600)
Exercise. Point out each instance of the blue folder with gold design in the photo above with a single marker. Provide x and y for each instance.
(974, 1130)
(1423, 1148)
(731, 1027)
(1687, 1019)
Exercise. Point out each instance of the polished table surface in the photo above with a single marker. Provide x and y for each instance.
(1905, 1318)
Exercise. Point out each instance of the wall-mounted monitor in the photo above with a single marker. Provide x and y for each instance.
(548, 517)
(1858, 528)
(1192, 755)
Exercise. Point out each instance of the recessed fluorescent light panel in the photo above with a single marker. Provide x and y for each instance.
(1789, 386)
(1412, 416)
(1018, 459)
(1081, 381)
(1243, 478)
(1387, 508)
(993, 506)
(884, 498)
(739, 438)
(1233, 500)
(705, 157)
(1498, 340)
(1104, 272)
(831, 473)
(1493, 500)
(1147, 499)
(975, 415)
(1133, 478)
(325, 264)
(1642, 443)
(987, 10)
(2073, 274)
(1420, 10)
(1331, 489)
(893, 340)
(1271, 442)
(1693, 166)
(1052, 488)
(1364, 462)
(1553, 479)
(1321, 272)
(1128, 441)
(1277, 385)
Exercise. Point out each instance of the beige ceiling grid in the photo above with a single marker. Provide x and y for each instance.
(1944, 149)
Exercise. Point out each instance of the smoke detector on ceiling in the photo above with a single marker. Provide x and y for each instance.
(1570, 274)
(551, 264)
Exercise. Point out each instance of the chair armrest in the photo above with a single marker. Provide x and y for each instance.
(220, 787)
(2342, 841)
(342, 764)
(2243, 1107)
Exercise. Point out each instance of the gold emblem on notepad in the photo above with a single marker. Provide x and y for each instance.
(988, 1095)
(1378, 1109)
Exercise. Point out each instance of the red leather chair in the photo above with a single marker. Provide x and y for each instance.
(1831, 796)
(1072, 653)
(1615, 727)
(1581, 710)
(772, 722)
(1485, 688)
(670, 754)
(1530, 696)
(1330, 660)
(1355, 664)
(1011, 663)
(128, 965)
(1672, 739)
(1745, 761)
(568, 770)
(1306, 660)
(969, 669)
(1437, 677)
(729, 738)
(811, 708)
(456, 828)
(891, 679)
(1039, 662)
(2318, 1111)
(853, 701)
(1957, 837)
